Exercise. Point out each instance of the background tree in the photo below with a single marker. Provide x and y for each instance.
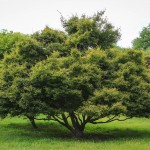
(8, 39)
(143, 41)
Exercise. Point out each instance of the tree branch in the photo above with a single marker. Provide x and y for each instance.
(42, 119)
(64, 122)
(109, 120)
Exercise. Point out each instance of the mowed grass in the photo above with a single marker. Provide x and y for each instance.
(17, 134)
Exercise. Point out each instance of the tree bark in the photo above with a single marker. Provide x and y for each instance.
(78, 133)
(32, 121)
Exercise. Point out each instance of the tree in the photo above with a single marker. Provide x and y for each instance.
(99, 87)
(84, 84)
(8, 39)
(90, 32)
(143, 41)
(12, 81)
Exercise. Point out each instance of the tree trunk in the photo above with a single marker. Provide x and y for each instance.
(78, 128)
(78, 134)
(32, 121)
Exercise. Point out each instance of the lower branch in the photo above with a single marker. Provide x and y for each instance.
(109, 120)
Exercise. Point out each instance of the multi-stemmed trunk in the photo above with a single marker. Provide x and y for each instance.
(75, 124)
(77, 128)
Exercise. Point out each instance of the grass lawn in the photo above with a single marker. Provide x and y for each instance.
(17, 134)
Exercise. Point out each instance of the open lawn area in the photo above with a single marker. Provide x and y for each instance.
(17, 134)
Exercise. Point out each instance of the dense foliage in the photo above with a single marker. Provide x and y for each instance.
(89, 32)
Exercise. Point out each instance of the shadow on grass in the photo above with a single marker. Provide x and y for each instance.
(53, 130)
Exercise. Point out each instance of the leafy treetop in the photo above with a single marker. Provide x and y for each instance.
(143, 41)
